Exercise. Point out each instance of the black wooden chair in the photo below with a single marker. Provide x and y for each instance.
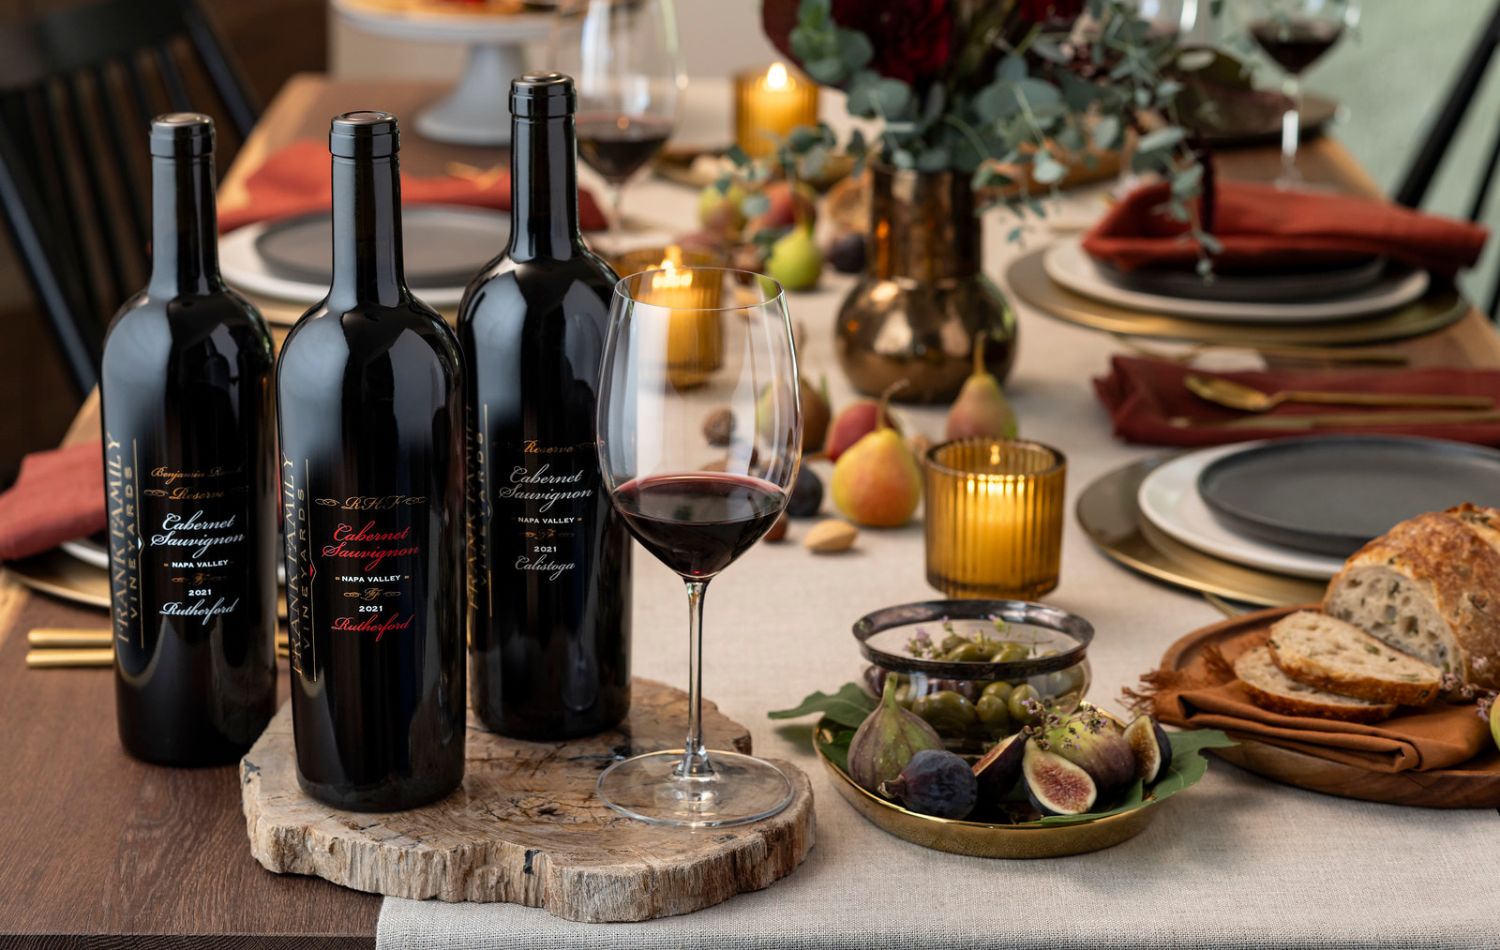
(78, 88)
(1444, 129)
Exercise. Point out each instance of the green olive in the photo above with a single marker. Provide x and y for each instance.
(1011, 652)
(968, 652)
(1020, 697)
(1069, 680)
(999, 688)
(946, 711)
(952, 642)
(994, 712)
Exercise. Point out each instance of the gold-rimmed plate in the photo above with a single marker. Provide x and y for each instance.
(1027, 276)
(982, 839)
(1110, 514)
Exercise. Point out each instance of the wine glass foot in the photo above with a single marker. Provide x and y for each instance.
(739, 790)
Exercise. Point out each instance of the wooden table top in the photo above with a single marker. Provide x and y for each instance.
(98, 849)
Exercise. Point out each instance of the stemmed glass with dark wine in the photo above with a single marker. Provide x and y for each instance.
(1295, 34)
(682, 343)
(623, 57)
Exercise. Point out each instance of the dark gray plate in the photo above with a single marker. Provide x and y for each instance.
(443, 245)
(1269, 287)
(1331, 494)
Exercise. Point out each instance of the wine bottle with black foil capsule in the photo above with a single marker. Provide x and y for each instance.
(369, 401)
(549, 558)
(189, 480)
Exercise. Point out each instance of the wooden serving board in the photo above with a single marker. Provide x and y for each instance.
(527, 828)
(1474, 784)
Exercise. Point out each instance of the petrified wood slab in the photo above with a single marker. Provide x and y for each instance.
(526, 827)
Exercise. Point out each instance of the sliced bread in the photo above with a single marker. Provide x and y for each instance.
(1336, 656)
(1269, 688)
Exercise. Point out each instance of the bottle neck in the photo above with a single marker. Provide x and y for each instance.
(544, 189)
(184, 227)
(367, 231)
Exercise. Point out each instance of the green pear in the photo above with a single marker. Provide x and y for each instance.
(981, 409)
(876, 481)
(796, 261)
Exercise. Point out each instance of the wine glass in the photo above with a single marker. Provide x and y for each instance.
(623, 57)
(1295, 34)
(698, 518)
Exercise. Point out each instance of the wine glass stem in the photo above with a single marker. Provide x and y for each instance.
(1291, 130)
(616, 211)
(694, 755)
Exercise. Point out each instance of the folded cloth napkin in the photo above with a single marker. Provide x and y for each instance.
(1144, 396)
(298, 178)
(1205, 695)
(58, 496)
(1262, 227)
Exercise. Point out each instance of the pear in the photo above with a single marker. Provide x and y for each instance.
(853, 422)
(981, 409)
(876, 481)
(815, 414)
(1495, 719)
(796, 261)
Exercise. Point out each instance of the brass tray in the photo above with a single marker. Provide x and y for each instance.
(982, 839)
(1441, 306)
(1108, 513)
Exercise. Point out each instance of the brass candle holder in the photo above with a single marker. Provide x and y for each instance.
(994, 518)
(768, 104)
(695, 337)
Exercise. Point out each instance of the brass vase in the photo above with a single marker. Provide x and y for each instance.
(916, 311)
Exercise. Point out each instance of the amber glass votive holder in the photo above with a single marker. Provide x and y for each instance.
(994, 518)
(695, 336)
(768, 104)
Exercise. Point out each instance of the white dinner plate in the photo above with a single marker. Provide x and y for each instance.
(88, 551)
(1169, 499)
(1069, 265)
(244, 269)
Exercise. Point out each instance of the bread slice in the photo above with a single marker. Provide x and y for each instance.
(1269, 688)
(1332, 655)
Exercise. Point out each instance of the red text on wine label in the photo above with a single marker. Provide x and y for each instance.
(369, 545)
(378, 624)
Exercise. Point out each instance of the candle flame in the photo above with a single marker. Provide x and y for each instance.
(671, 275)
(776, 77)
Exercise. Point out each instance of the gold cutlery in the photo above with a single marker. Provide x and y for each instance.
(1225, 392)
(67, 637)
(55, 659)
(1331, 354)
(63, 647)
(1342, 419)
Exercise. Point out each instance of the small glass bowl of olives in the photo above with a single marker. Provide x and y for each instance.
(977, 670)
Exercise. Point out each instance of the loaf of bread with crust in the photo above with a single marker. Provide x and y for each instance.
(1332, 655)
(1430, 587)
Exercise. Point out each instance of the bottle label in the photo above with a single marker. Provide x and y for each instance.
(354, 558)
(544, 491)
(186, 528)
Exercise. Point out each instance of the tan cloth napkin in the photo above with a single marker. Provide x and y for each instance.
(1205, 695)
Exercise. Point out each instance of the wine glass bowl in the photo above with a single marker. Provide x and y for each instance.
(695, 507)
(623, 57)
(1294, 34)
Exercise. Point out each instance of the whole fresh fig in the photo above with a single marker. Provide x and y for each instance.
(935, 782)
(887, 740)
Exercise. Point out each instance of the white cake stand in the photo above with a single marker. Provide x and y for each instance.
(477, 111)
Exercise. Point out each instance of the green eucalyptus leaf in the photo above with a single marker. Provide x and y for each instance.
(1011, 68)
(1049, 49)
(1047, 170)
(935, 159)
(828, 70)
(737, 155)
(802, 138)
(1106, 132)
(854, 50)
(1160, 140)
(903, 158)
(755, 205)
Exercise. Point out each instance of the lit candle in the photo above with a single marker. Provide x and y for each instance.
(694, 336)
(770, 104)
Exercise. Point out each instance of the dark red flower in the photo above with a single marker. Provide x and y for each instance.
(913, 39)
(1049, 11)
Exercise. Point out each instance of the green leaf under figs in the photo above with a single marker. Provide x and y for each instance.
(848, 707)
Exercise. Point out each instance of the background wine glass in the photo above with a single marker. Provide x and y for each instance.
(623, 57)
(682, 343)
(1295, 34)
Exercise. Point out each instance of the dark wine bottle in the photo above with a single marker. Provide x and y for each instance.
(185, 386)
(549, 559)
(369, 398)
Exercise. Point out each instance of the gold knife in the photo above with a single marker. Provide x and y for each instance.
(1342, 419)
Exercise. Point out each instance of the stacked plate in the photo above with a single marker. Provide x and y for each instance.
(291, 260)
(1270, 522)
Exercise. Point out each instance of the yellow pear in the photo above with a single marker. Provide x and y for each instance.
(981, 409)
(876, 481)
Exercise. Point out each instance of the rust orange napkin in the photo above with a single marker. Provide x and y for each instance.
(1143, 396)
(296, 180)
(1263, 227)
(1205, 695)
(58, 496)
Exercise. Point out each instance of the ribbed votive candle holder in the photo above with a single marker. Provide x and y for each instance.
(994, 518)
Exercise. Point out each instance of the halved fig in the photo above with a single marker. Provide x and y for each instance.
(1055, 785)
(1153, 750)
(1000, 769)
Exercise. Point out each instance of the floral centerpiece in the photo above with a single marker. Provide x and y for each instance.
(976, 101)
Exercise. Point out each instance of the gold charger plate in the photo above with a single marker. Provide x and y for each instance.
(1108, 512)
(1441, 306)
(982, 839)
(63, 576)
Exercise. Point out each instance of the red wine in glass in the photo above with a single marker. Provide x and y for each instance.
(698, 523)
(617, 146)
(1295, 43)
